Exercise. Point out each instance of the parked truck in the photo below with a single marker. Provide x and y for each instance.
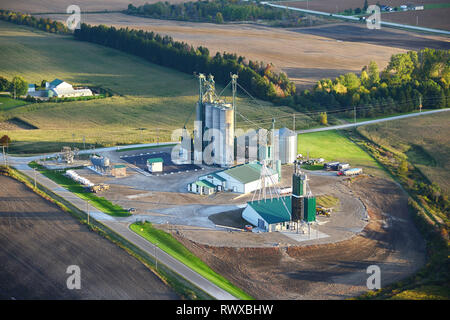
(331, 165)
(350, 172)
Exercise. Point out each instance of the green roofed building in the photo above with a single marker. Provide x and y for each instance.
(202, 187)
(243, 178)
(269, 214)
(276, 214)
(155, 164)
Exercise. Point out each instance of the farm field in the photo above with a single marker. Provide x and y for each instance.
(436, 18)
(430, 18)
(29, 6)
(7, 103)
(334, 146)
(424, 140)
(305, 58)
(33, 267)
(149, 101)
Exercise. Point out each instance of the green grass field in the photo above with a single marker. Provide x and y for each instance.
(100, 203)
(170, 245)
(7, 103)
(424, 140)
(334, 146)
(148, 96)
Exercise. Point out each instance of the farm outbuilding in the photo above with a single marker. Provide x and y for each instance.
(202, 187)
(269, 214)
(119, 170)
(155, 164)
(243, 178)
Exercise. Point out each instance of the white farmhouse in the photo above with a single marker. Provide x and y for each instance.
(62, 89)
(58, 88)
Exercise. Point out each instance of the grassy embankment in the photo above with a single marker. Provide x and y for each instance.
(99, 202)
(184, 288)
(170, 245)
(327, 201)
(334, 146)
(7, 103)
(149, 100)
(429, 208)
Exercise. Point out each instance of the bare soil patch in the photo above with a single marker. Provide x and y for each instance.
(430, 18)
(385, 36)
(38, 241)
(330, 271)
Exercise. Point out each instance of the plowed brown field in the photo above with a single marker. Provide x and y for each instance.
(38, 241)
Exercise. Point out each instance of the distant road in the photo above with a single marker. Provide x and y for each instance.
(351, 18)
(362, 123)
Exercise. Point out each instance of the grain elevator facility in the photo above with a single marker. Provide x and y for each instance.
(217, 123)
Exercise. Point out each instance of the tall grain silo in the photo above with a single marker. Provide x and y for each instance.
(215, 115)
(226, 127)
(287, 140)
(208, 115)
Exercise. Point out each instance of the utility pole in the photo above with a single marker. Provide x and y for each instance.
(4, 155)
(293, 119)
(420, 103)
(34, 170)
(354, 113)
(234, 89)
(156, 258)
(87, 210)
(157, 139)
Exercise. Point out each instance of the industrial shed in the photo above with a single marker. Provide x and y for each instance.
(202, 187)
(119, 170)
(269, 214)
(155, 164)
(243, 178)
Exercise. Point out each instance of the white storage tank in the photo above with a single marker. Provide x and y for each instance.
(287, 140)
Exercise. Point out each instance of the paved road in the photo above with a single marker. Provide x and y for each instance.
(21, 163)
(362, 123)
(351, 18)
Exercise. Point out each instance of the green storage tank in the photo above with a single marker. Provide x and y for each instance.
(299, 185)
(310, 209)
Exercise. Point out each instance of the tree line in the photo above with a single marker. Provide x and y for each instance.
(16, 87)
(44, 24)
(258, 78)
(410, 81)
(217, 11)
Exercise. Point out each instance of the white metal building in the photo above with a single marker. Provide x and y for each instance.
(243, 178)
(155, 165)
(270, 214)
